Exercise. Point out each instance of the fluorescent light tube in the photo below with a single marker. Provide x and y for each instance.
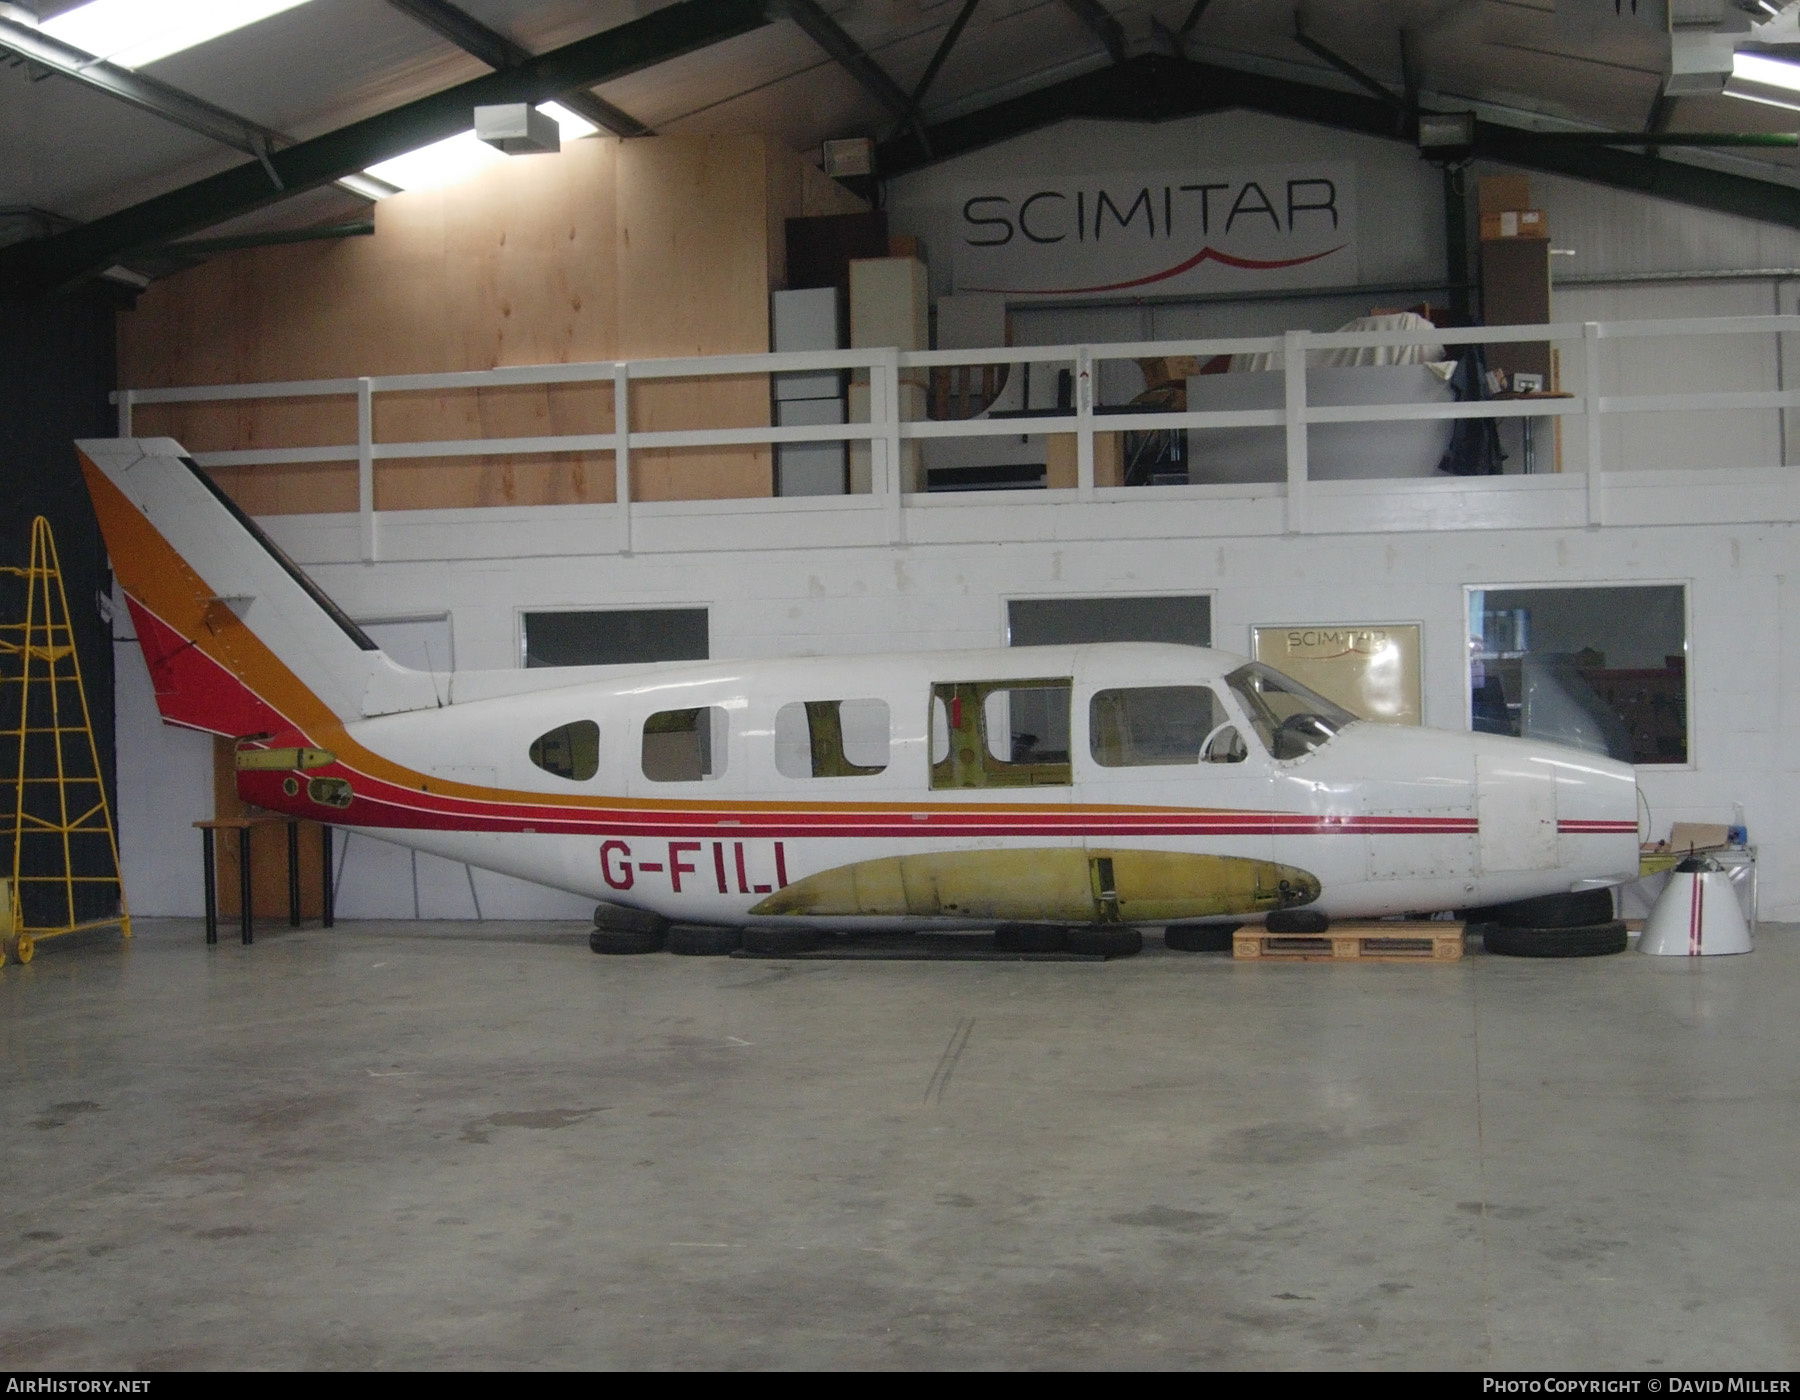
(132, 33)
(1757, 77)
(573, 128)
(460, 156)
(441, 163)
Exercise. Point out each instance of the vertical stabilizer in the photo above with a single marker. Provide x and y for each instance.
(238, 640)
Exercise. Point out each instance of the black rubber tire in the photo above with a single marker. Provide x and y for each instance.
(1107, 942)
(603, 940)
(703, 940)
(1031, 938)
(1200, 938)
(1297, 921)
(1593, 941)
(1580, 910)
(781, 940)
(619, 918)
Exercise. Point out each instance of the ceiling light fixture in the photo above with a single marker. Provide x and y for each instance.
(573, 128)
(1757, 77)
(132, 33)
(460, 156)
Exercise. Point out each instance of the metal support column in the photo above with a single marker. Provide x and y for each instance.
(293, 854)
(246, 900)
(208, 858)
(330, 901)
(622, 452)
(1293, 369)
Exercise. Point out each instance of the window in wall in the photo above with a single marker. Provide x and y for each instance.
(831, 738)
(569, 751)
(1034, 622)
(1601, 669)
(1012, 733)
(1147, 725)
(613, 636)
(684, 746)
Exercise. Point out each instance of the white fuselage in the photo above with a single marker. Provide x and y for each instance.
(1390, 819)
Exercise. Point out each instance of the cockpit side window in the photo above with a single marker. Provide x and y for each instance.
(569, 751)
(1291, 720)
(1143, 726)
(1012, 733)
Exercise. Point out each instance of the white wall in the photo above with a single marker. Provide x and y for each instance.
(1744, 650)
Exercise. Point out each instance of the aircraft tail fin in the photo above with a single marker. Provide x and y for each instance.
(238, 640)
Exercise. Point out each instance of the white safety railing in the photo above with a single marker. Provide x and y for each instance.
(887, 429)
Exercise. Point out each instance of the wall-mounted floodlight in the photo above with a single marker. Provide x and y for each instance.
(850, 157)
(1446, 133)
(518, 129)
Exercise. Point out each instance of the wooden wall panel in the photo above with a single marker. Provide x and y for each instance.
(654, 247)
(693, 280)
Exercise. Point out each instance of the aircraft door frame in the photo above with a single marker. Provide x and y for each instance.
(1245, 786)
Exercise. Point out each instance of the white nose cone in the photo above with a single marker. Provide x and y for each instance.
(1696, 915)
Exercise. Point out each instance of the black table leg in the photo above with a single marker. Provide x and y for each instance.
(329, 906)
(245, 899)
(212, 884)
(293, 831)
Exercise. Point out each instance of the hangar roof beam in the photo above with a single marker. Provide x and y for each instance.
(141, 91)
(824, 31)
(499, 52)
(1099, 19)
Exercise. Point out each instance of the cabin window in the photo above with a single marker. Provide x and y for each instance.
(684, 746)
(569, 751)
(831, 738)
(1144, 726)
(1012, 733)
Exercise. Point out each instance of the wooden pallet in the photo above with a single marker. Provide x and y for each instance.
(1390, 941)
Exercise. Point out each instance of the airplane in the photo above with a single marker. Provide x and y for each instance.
(1090, 787)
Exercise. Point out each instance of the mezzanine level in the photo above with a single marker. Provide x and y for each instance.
(1670, 422)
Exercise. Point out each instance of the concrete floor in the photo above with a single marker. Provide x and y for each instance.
(404, 1145)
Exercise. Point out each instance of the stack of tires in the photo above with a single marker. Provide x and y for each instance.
(1551, 926)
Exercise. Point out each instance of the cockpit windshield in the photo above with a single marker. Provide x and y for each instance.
(1291, 720)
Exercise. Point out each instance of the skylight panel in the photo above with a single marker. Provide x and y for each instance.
(132, 33)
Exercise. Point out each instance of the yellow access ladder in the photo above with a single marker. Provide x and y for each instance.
(62, 829)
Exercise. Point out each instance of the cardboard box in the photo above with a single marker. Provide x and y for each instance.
(1168, 369)
(1514, 223)
(1495, 194)
(1698, 836)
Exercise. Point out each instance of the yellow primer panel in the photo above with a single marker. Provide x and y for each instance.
(249, 760)
(1056, 885)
